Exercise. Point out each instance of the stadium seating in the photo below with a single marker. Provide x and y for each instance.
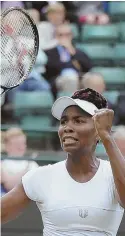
(37, 122)
(119, 54)
(98, 33)
(33, 99)
(75, 31)
(31, 127)
(114, 77)
(101, 54)
(121, 27)
(111, 96)
(63, 93)
(117, 10)
(38, 127)
(100, 151)
(28, 102)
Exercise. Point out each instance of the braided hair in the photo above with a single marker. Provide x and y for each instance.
(92, 96)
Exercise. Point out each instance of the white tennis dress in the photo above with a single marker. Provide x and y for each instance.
(69, 208)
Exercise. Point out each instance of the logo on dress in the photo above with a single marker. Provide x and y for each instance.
(83, 213)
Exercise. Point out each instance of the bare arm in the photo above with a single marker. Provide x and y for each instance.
(103, 121)
(13, 203)
(118, 166)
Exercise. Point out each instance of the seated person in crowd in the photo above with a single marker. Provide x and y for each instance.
(67, 82)
(92, 12)
(35, 81)
(55, 16)
(119, 136)
(65, 56)
(95, 80)
(34, 13)
(15, 145)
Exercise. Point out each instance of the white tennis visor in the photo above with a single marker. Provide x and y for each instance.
(63, 102)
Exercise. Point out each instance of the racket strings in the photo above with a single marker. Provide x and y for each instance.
(17, 48)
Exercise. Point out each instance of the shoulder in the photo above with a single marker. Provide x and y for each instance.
(51, 50)
(57, 167)
(106, 169)
(44, 171)
(52, 169)
(32, 165)
(37, 182)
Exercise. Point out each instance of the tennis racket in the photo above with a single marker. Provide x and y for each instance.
(19, 47)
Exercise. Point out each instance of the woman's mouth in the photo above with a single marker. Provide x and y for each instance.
(69, 140)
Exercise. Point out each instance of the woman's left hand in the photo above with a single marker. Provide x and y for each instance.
(103, 121)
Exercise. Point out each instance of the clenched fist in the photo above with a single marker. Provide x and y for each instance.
(103, 121)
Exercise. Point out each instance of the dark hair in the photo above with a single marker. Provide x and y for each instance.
(92, 96)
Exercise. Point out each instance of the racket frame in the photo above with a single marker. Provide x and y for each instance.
(4, 13)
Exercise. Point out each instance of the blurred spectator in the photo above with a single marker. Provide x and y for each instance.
(119, 136)
(55, 14)
(71, 11)
(95, 80)
(41, 6)
(35, 5)
(67, 78)
(65, 57)
(13, 170)
(34, 82)
(92, 12)
(34, 14)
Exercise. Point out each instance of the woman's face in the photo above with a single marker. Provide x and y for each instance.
(76, 131)
(56, 17)
(16, 146)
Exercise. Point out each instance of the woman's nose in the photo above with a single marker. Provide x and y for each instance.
(68, 129)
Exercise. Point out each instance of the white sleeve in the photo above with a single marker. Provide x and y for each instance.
(35, 183)
(33, 165)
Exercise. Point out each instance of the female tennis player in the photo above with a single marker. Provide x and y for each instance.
(82, 195)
